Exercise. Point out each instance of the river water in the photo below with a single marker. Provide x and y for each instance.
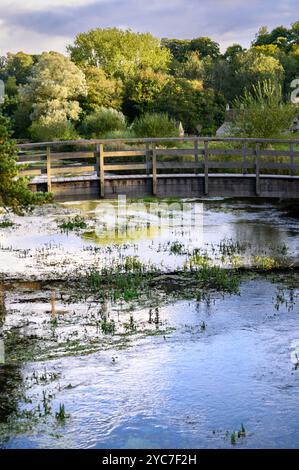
(190, 373)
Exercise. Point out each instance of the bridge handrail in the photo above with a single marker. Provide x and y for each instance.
(152, 148)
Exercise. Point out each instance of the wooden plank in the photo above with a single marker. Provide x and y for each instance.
(128, 166)
(206, 167)
(223, 164)
(97, 157)
(154, 161)
(60, 170)
(291, 159)
(244, 154)
(257, 170)
(177, 152)
(196, 156)
(147, 159)
(49, 178)
(125, 153)
(278, 153)
(179, 165)
(31, 172)
(72, 155)
(102, 171)
(31, 158)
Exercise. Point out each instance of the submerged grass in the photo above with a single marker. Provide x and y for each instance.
(76, 223)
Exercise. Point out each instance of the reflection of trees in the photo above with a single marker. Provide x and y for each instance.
(264, 237)
(10, 376)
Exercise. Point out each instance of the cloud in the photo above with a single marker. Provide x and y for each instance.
(37, 25)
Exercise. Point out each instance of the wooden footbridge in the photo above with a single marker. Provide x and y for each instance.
(168, 167)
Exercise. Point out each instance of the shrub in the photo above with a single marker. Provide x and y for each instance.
(103, 121)
(60, 130)
(262, 112)
(155, 125)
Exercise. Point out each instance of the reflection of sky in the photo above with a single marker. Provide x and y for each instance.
(175, 392)
(144, 230)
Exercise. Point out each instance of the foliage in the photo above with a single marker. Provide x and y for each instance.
(119, 53)
(262, 113)
(41, 131)
(101, 90)
(187, 103)
(52, 92)
(155, 125)
(141, 91)
(75, 223)
(14, 192)
(103, 121)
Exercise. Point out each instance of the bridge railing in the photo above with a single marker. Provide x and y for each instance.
(99, 159)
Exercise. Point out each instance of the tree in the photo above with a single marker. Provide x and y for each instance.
(141, 91)
(53, 91)
(19, 66)
(119, 53)
(262, 112)
(101, 90)
(205, 47)
(257, 67)
(178, 47)
(14, 192)
(192, 68)
(184, 101)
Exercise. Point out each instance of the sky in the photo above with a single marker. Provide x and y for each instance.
(34, 26)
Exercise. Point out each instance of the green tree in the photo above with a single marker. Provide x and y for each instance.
(101, 90)
(262, 112)
(141, 91)
(52, 91)
(14, 192)
(19, 66)
(119, 53)
(205, 47)
(184, 101)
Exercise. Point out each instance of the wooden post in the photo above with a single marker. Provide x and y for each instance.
(49, 171)
(196, 170)
(291, 159)
(102, 171)
(257, 169)
(147, 159)
(244, 151)
(154, 160)
(206, 163)
(97, 157)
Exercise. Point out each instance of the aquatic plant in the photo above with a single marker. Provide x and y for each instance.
(76, 223)
(61, 415)
(6, 223)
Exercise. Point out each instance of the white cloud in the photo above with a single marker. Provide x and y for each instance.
(31, 42)
(38, 5)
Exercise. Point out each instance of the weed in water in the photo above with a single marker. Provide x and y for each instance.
(61, 415)
(77, 223)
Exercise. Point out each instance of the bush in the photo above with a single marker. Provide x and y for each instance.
(103, 121)
(262, 112)
(155, 125)
(61, 130)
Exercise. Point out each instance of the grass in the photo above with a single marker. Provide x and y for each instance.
(76, 223)
(61, 415)
(6, 223)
